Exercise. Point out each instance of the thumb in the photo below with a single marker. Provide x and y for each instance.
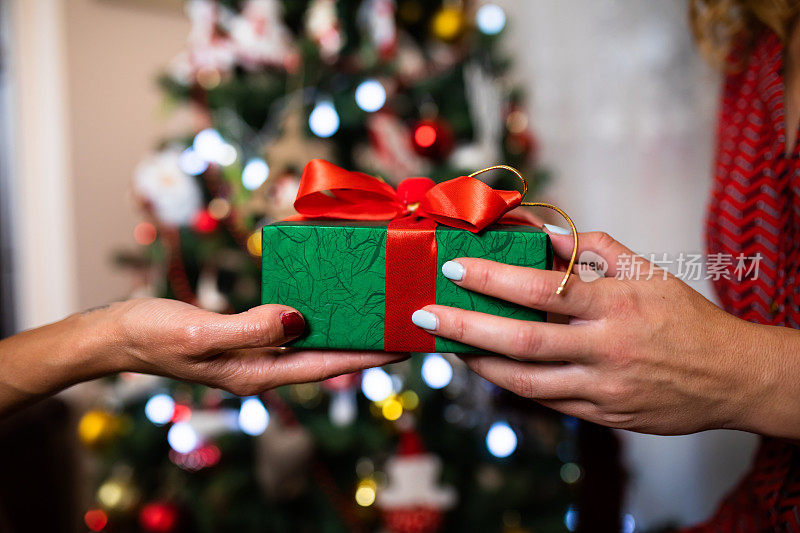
(597, 249)
(262, 326)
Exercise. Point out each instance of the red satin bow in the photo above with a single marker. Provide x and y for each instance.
(331, 192)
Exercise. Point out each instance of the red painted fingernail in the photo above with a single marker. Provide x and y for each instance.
(293, 323)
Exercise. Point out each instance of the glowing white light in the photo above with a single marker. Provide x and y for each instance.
(397, 382)
(571, 518)
(159, 409)
(227, 155)
(182, 438)
(436, 371)
(342, 409)
(501, 440)
(324, 121)
(191, 163)
(370, 95)
(255, 173)
(376, 384)
(491, 19)
(253, 417)
(208, 144)
(628, 524)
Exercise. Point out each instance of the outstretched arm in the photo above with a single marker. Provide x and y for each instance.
(168, 338)
(649, 355)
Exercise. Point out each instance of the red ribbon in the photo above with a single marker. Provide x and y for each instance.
(415, 209)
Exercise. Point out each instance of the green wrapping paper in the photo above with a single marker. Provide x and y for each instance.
(334, 273)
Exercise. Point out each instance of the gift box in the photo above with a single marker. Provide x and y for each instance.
(335, 273)
(362, 257)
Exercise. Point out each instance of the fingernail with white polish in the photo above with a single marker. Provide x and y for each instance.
(453, 270)
(425, 320)
(558, 230)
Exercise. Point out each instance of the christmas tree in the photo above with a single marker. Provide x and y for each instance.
(394, 89)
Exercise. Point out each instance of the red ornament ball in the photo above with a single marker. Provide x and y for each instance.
(159, 517)
(181, 413)
(433, 139)
(203, 222)
(145, 233)
(425, 135)
(95, 519)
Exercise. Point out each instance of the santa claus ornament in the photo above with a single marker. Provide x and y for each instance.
(413, 501)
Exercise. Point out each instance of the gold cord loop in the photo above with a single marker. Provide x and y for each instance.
(558, 210)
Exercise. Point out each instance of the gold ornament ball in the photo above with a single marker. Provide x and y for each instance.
(97, 428)
(392, 409)
(448, 24)
(254, 243)
(117, 495)
(366, 492)
(208, 78)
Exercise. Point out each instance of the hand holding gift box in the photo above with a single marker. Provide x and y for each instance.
(362, 257)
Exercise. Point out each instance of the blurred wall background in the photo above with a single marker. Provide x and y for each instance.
(86, 109)
(622, 105)
(114, 49)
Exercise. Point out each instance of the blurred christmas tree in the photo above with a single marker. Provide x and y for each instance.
(400, 89)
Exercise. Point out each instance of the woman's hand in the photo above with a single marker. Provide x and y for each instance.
(648, 354)
(173, 339)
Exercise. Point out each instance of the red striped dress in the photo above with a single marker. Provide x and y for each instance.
(755, 211)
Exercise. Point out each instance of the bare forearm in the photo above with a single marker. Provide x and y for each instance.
(45, 360)
(173, 339)
(772, 376)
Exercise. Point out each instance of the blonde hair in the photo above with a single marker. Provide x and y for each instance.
(719, 26)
